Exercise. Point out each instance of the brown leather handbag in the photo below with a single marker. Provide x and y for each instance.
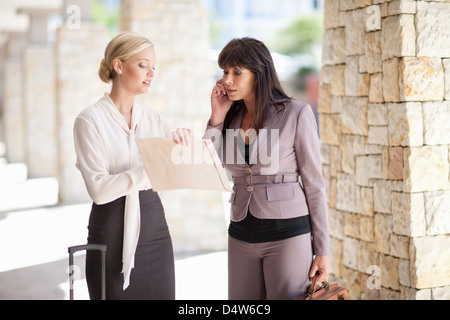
(325, 291)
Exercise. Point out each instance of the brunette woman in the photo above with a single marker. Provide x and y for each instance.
(278, 234)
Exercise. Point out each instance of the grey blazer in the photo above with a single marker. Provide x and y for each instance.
(284, 151)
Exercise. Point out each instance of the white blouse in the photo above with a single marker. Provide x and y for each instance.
(109, 161)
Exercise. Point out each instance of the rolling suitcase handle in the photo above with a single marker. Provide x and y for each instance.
(102, 249)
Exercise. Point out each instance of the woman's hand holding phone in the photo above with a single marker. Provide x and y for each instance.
(220, 104)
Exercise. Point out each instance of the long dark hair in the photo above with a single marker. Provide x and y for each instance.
(252, 54)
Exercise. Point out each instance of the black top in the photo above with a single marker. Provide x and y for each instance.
(255, 230)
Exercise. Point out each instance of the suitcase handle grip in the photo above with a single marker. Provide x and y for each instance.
(102, 249)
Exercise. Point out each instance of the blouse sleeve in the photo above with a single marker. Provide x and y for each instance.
(93, 165)
(307, 151)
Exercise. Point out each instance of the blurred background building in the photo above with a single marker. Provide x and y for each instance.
(376, 72)
(50, 55)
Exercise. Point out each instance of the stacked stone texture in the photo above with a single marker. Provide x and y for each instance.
(384, 109)
(179, 30)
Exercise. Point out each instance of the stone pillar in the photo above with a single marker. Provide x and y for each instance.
(179, 30)
(385, 136)
(12, 98)
(79, 48)
(39, 93)
(181, 93)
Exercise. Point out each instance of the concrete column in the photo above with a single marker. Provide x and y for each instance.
(12, 97)
(39, 89)
(179, 30)
(80, 45)
(10, 23)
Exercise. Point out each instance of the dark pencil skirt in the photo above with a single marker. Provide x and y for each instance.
(153, 275)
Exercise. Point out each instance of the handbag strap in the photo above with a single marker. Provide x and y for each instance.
(312, 287)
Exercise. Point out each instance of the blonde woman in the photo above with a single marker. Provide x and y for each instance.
(126, 216)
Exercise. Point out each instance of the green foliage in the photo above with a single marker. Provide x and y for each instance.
(303, 71)
(300, 36)
(302, 75)
(215, 30)
(106, 15)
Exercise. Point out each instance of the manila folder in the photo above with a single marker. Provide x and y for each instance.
(172, 166)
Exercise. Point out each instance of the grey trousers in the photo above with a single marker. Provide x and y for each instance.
(275, 270)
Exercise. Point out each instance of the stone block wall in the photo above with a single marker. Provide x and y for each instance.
(384, 109)
(179, 30)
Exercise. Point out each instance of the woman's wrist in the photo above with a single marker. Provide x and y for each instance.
(215, 121)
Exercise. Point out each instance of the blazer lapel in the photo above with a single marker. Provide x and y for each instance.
(273, 123)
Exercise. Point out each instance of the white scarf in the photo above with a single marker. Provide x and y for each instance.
(132, 219)
(132, 214)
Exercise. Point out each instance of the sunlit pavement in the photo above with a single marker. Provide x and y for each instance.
(34, 258)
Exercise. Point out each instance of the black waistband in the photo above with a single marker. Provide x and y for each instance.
(254, 230)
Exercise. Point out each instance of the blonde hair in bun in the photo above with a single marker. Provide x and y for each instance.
(122, 46)
(104, 72)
